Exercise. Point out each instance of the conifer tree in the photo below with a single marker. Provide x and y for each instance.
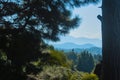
(85, 62)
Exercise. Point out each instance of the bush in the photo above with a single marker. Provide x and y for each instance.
(62, 73)
(89, 77)
(55, 73)
(54, 57)
(76, 76)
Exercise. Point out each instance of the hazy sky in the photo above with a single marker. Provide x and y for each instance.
(90, 26)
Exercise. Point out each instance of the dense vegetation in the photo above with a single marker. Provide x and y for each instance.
(56, 65)
(24, 27)
(84, 61)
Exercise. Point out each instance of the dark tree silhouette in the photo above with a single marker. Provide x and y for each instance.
(111, 39)
(98, 70)
(24, 25)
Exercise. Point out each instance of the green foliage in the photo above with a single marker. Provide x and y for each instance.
(59, 73)
(3, 56)
(72, 56)
(45, 17)
(76, 76)
(85, 62)
(97, 58)
(49, 58)
(24, 25)
(57, 58)
(55, 73)
(89, 77)
(62, 73)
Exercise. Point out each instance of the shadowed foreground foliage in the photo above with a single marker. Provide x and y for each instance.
(63, 73)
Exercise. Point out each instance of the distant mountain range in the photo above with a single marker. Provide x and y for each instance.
(78, 41)
(72, 46)
(78, 44)
(67, 47)
(93, 50)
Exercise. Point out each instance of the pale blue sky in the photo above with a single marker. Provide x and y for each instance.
(90, 26)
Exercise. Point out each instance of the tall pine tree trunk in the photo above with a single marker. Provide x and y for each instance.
(111, 39)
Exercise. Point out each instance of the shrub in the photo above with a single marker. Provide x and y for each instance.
(55, 73)
(54, 57)
(75, 76)
(89, 77)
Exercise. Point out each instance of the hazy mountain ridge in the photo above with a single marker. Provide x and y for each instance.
(67, 47)
(79, 41)
(92, 50)
(72, 46)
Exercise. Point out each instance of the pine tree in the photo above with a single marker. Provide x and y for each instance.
(25, 24)
(72, 56)
(85, 62)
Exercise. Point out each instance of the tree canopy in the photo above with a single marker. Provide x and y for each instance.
(25, 24)
(48, 18)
